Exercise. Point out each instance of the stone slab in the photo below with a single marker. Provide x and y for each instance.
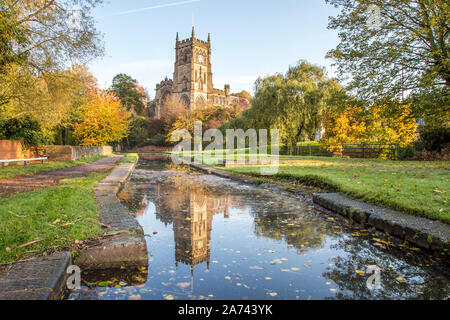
(40, 279)
(121, 250)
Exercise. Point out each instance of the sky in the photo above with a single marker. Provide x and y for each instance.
(249, 38)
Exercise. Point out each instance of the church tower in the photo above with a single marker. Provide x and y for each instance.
(192, 79)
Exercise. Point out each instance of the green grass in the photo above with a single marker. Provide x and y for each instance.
(415, 187)
(129, 158)
(56, 215)
(15, 170)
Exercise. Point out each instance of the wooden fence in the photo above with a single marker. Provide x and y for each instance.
(367, 151)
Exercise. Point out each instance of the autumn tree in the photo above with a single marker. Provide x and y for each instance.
(391, 47)
(51, 98)
(387, 123)
(244, 94)
(102, 120)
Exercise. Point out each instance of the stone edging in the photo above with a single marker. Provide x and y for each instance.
(127, 245)
(43, 278)
(422, 232)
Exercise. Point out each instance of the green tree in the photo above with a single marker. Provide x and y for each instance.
(44, 34)
(39, 37)
(294, 103)
(51, 98)
(127, 89)
(405, 48)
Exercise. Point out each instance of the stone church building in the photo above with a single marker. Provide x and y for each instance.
(192, 80)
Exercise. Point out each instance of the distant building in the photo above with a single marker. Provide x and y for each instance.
(192, 81)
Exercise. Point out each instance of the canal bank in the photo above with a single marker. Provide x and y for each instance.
(125, 246)
(422, 232)
(44, 278)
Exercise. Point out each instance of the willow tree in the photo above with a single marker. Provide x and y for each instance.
(393, 47)
(294, 102)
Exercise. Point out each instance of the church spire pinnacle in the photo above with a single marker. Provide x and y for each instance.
(178, 37)
(193, 32)
(209, 37)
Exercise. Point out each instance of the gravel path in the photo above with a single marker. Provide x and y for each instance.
(42, 180)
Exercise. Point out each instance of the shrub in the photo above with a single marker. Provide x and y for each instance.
(155, 127)
(23, 128)
(159, 141)
(435, 139)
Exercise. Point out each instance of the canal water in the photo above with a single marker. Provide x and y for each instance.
(213, 238)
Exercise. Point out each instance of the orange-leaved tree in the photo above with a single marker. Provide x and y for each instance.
(102, 120)
(382, 124)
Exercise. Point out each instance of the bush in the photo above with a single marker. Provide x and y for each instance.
(138, 133)
(155, 127)
(24, 128)
(159, 141)
(435, 139)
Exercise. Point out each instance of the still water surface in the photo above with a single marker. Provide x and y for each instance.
(212, 238)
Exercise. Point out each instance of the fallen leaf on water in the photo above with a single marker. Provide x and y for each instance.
(401, 279)
(268, 278)
(183, 285)
(379, 245)
(295, 269)
(360, 272)
(135, 297)
(284, 259)
(307, 265)
(169, 297)
(333, 290)
(228, 278)
(256, 268)
(273, 294)
(271, 251)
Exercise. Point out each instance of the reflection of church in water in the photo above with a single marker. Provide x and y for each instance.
(193, 231)
(192, 220)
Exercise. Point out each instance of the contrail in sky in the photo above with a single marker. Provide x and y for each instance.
(173, 4)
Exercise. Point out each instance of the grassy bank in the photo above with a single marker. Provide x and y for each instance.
(129, 158)
(15, 170)
(415, 187)
(46, 220)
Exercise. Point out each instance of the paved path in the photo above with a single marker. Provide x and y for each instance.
(26, 183)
